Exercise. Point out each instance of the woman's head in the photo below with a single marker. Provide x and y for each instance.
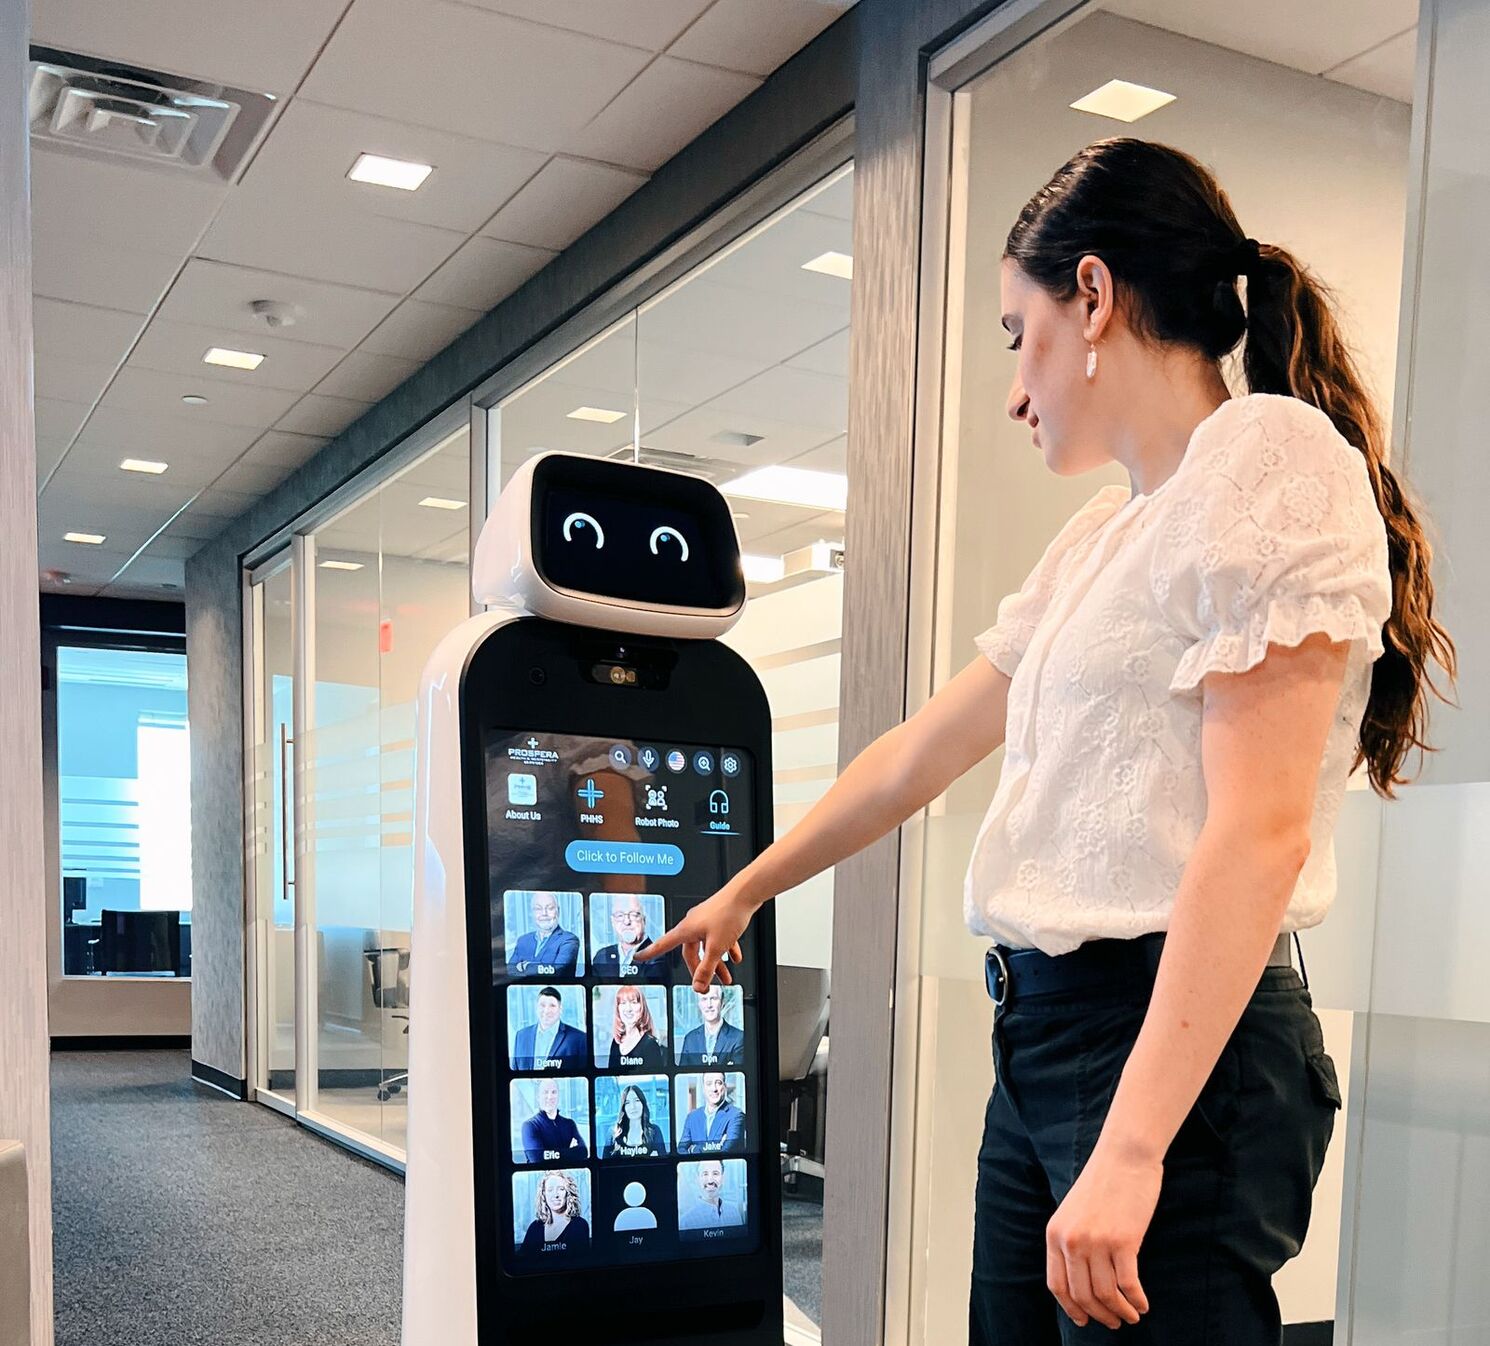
(633, 1109)
(558, 1195)
(1123, 269)
(631, 1013)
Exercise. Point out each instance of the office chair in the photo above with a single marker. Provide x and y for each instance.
(802, 1000)
(390, 994)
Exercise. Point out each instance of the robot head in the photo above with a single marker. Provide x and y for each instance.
(612, 545)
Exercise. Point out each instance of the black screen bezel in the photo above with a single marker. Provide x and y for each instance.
(533, 674)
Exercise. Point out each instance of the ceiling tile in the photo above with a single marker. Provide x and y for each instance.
(177, 348)
(1312, 38)
(150, 570)
(78, 269)
(797, 395)
(366, 377)
(97, 463)
(829, 457)
(659, 112)
(221, 503)
(311, 148)
(736, 34)
(66, 380)
(97, 201)
(219, 294)
(638, 23)
(149, 390)
(564, 200)
(1388, 70)
(739, 322)
(172, 434)
(482, 273)
(315, 415)
(836, 200)
(168, 544)
(82, 332)
(771, 263)
(266, 46)
(416, 330)
(327, 241)
(470, 71)
(58, 422)
(827, 357)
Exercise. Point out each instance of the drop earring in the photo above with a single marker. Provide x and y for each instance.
(1091, 363)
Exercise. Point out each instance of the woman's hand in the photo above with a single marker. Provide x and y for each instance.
(706, 934)
(1091, 1243)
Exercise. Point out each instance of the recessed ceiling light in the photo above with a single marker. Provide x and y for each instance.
(404, 174)
(739, 513)
(194, 400)
(792, 486)
(838, 264)
(143, 465)
(92, 539)
(601, 414)
(1122, 101)
(219, 355)
(440, 502)
(341, 565)
(762, 569)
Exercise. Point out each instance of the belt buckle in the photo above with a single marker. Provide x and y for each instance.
(996, 976)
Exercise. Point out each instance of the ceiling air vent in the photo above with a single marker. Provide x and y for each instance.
(102, 108)
(708, 468)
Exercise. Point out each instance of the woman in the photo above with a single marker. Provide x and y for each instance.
(549, 1137)
(634, 1044)
(634, 1135)
(557, 1224)
(1182, 685)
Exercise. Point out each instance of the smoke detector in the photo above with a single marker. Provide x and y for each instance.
(276, 313)
(100, 108)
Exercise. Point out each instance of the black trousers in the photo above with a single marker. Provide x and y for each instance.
(1238, 1180)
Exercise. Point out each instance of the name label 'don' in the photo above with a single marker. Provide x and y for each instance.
(623, 857)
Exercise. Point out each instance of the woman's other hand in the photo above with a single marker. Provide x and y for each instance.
(706, 934)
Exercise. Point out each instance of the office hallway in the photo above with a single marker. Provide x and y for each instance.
(187, 1219)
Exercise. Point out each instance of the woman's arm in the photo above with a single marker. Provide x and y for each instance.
(1263, 735)
(900, 772)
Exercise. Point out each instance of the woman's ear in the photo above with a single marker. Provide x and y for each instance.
(1096, 294)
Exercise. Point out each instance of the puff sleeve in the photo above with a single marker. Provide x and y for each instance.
(1280, 540)
(1005, 642)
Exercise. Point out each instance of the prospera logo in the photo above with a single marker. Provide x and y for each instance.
(530, 754)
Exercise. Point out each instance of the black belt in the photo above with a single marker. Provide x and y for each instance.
(1101, 963)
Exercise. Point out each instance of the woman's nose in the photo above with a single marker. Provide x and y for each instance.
(1018, 405)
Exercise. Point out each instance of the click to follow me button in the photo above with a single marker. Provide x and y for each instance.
(623, 857)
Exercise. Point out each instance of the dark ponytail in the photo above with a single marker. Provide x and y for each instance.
(1162, 223)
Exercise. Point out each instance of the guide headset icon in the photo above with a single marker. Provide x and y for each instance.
(718, 802)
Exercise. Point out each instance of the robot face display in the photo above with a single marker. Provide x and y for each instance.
(608, 530)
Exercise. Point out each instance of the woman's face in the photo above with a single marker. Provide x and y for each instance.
(1051, 392)
(634, 1106)
(630, 1009)
(555, 1194)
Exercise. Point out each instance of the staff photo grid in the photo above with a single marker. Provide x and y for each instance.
(697, 1133)
(711, 1198)
(551, 1121)
(528, 1009)
(612, 920)
(544, 933)
(690, 1039)
(615, 1006)
(570, 1188)
(615, 1092)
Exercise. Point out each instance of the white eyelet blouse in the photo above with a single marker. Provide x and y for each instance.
(1267, 532)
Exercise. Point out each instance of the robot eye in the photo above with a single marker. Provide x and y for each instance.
(586, 527)
(660, 535)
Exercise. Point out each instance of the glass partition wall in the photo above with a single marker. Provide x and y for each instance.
(738, 373)
(340, 627)
(1319, 165)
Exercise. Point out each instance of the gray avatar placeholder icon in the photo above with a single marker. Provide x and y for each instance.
(636, 1215)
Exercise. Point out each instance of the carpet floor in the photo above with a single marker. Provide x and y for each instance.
(184, 1218)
